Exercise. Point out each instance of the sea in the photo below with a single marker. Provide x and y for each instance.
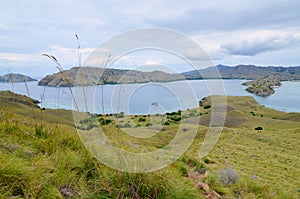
(152, 97)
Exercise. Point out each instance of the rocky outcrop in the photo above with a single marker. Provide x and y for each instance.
(263, 86)
(213, 195)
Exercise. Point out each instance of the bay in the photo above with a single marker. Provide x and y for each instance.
(151, 98)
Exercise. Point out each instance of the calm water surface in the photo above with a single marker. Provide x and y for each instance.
(153, 97)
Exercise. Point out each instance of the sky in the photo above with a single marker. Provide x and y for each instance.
(255, 32)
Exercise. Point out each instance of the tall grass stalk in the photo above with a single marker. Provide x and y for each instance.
(105, 63)
(61, 70)
(31, 104)
(80, 73)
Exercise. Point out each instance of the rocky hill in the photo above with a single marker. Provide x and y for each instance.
(93, 76)
(12, 77)
(262, 86)
(245, 72)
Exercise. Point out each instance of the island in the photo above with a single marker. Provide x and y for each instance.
(263, 86)
(264, 78)
(15, 78)
(92, 76)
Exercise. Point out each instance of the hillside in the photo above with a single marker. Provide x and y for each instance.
(11, 77)
(41, 155)
(92, 76)
(246, 72)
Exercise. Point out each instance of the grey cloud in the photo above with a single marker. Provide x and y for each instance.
(241, 15)
(259, 45)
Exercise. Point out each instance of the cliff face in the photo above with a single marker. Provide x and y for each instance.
(11, 77)
(93, 76)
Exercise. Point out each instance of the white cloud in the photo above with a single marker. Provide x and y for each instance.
(260, 42)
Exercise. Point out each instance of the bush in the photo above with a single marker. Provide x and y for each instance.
(103, 121)
(176, 118)
(228, 176)
(208, 161)
(259, 128)
(142, 120)
(207, 106)
(166, 123)
(183, 170)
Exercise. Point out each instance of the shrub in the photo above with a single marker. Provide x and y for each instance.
(176, 118)
(166, 123)
(228, 176)
(142, 119)
(200, 103)
(103, 121)
(208, 161)
(259, 128)
(183, 170)
(207, 106)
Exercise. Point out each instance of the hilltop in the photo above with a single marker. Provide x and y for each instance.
(12, 77)
(41, 155)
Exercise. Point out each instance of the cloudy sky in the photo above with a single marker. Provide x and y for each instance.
(231, 32)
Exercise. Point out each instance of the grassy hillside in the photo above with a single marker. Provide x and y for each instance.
(41, 155)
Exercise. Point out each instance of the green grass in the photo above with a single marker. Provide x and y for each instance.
(41, 155)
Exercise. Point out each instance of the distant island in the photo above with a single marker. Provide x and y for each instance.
(262, 86)
(12, 77)
(250, 72)
(91, 76)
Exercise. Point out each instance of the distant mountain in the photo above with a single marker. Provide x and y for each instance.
(12, 77)
(245, 72)
(93, 75)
